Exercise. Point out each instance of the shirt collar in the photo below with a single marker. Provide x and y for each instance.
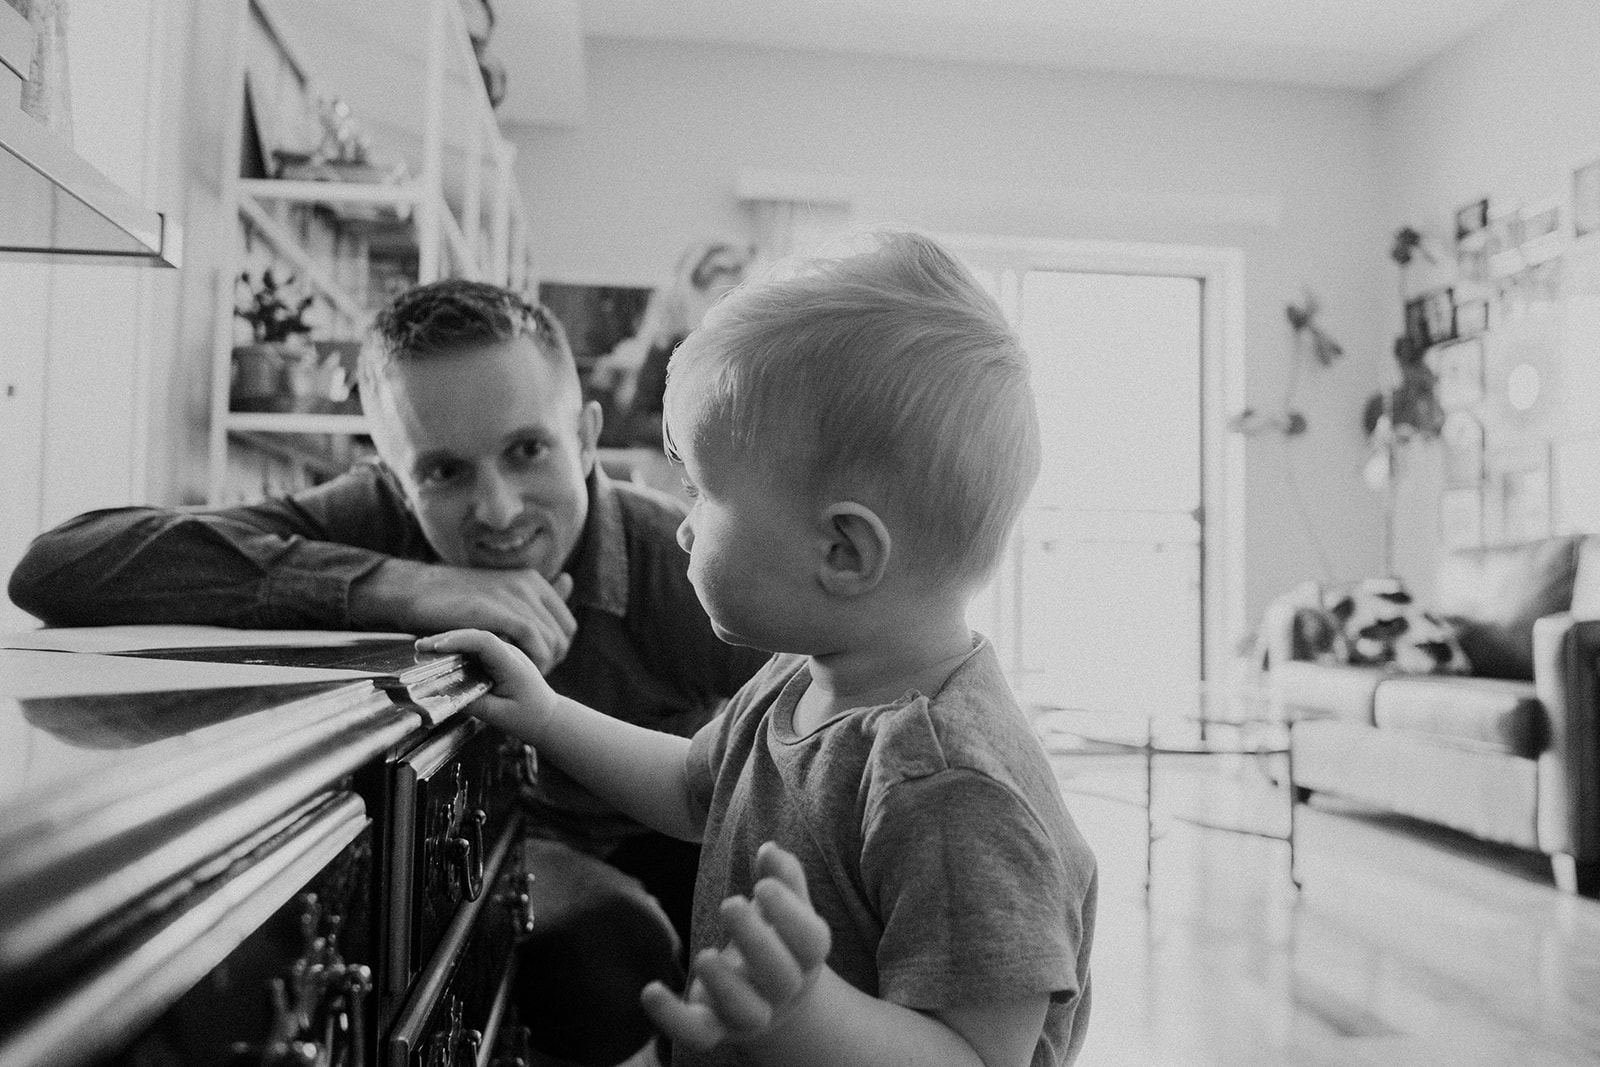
(600, 568)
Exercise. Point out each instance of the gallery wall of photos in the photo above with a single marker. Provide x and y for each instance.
(1512, 330)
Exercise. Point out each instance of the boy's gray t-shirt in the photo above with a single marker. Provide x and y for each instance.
(933, 836)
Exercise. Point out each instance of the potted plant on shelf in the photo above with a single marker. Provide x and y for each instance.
(278, 330)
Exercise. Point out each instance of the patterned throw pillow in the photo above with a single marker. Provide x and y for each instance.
(1381, 627)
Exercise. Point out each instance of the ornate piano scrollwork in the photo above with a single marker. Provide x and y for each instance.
(454, 1045)
(319, 1009)
(455, 855)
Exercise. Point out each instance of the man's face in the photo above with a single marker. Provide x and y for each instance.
(492, 446)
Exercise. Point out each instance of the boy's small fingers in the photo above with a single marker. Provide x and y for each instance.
(774, 861)
(802, 929)
(768, 962)
(695, 1025)
(738, 1005)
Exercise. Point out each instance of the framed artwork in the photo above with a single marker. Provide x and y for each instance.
(1462, 436)
(1461, 517)
(1459, 369)
(1586, 199)
(1417, 322)
(1503, 242)
(1540, 230)
(1575, 484)
(1439, 316)
(1472, 266)
(1472, 318)
(1472, 219)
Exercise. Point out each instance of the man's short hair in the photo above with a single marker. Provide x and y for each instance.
(889, 374)
(450, 316)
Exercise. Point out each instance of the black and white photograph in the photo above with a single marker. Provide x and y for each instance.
(682, 533)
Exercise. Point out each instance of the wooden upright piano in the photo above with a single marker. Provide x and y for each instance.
(228, 848)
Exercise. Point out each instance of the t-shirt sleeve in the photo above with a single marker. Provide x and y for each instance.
(707, 749)
(978, 901)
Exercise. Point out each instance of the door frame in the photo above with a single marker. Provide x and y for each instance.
(1222, 453)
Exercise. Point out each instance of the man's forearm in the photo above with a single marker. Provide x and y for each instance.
(140, 565)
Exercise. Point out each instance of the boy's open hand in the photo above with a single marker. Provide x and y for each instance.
(766, 972)
(521, 700)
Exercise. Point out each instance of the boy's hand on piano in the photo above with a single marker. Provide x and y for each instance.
(521, 701)
(766, 973)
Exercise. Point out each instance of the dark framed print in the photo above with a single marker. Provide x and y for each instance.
(1471, 220)
(1439, 316)
(1417, 323)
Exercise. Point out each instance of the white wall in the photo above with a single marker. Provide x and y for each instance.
(1287, 175)
(86, 348)
(1505, 114)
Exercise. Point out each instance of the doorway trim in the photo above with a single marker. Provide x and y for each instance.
(1221, 274)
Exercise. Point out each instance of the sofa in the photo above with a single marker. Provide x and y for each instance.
(1509, 752)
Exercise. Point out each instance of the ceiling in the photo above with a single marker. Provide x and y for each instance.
(1353, 44)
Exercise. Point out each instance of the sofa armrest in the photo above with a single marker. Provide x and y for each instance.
(1566, 676)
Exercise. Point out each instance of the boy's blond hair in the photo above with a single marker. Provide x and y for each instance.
(888, 376)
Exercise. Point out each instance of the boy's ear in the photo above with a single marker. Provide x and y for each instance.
(856, 556)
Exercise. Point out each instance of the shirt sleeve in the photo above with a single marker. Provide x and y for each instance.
(977, 900)
(283, 563)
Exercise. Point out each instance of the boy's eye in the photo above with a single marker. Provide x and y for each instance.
(689, 489)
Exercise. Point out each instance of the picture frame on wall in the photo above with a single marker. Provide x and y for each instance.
(1459, 370)
(1472, 219)
(1541, 233)
(1439, 316)
(1417, 323)
(1472, 318)
(597, 318)
(1461, 517)
(1462, 437)
(1586, 199)
(1503, 241)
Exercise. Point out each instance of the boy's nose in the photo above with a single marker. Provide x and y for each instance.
(685, 535)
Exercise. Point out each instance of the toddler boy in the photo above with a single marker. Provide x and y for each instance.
(888, 872)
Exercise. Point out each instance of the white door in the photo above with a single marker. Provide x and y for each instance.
(1104, 592)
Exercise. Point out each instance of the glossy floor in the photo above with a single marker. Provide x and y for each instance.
(1408, 946)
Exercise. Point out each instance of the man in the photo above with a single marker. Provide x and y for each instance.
(488, 510)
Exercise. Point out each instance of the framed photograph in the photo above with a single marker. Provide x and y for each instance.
(1541, 233)
(1503, 242)
(1575, 484)
(1472, 267)
(1471, 220)
(1417, 322)
(1461, 517)
(1472, 318)
(1459, 369)
(1462, 436)
(1586, 199)
(1439, 316)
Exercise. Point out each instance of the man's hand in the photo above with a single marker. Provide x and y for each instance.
(521, 701)
(750, 988)
(426, 598)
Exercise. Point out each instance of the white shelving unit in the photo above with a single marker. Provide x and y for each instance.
(408, 72)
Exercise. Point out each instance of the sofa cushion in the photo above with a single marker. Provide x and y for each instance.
(1493, 595)
(1383, 628)
(1324, 689)
(1486, 713)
